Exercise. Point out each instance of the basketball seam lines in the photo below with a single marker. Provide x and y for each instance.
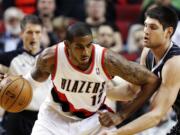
(28, 98)
(17, 96)
(4, 90)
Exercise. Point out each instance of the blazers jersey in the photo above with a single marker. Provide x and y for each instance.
(80, 93)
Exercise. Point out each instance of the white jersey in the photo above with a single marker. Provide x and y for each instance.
(80, 93)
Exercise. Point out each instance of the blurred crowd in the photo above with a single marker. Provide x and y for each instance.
(116, 24)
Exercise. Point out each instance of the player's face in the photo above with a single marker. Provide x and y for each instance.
(154, 35)
(81, 49)
(31, 37)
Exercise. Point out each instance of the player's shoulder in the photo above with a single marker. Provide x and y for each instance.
(98, 46)
(171, 72)
(49, 51)
(98, 49)
(144, 56)
(173, 62)
(172, 66)
(48, 55)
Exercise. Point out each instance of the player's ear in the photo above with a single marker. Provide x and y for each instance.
(170, 31)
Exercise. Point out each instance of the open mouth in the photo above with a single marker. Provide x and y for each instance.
(146, 39)
(32, 43)
(85, 59)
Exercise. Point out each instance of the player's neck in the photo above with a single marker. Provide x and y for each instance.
(160, 51)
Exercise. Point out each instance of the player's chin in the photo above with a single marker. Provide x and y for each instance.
(146, 45)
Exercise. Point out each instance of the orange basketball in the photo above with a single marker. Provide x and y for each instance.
(16, 93)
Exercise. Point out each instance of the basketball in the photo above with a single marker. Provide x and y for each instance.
(16, 93)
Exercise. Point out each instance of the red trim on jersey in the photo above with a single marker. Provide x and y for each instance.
(89, 70)
(106, 106)
(102, 62)
(72, 108)
(55, 62)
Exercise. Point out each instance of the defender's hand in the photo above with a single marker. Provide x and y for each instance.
(108, 119)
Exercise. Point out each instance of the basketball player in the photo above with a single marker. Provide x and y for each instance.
(162, 57)
(79, 70)
(21, 123)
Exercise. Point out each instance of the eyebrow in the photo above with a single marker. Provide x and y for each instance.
(150, 23)
(85, 45)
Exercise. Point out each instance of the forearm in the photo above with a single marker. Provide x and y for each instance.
(120, 93)
(144, 95)
(144, 122)
(38, 75)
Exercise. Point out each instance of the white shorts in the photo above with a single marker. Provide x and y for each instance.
(51, 122)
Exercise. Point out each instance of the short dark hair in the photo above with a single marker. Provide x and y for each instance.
(166, 16)
(33, 19)
(77, 29)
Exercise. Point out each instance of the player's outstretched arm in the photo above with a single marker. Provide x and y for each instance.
(134, 73)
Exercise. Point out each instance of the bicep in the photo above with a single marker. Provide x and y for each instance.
(168, 90)
(130, 71)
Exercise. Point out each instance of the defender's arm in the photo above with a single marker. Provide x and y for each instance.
(162, 102)
(134, 73)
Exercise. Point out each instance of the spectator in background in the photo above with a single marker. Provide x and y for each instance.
(105, 37)
(135, 41)
(11, 38)
(95, 10)
(60, 25)
(46, 12)
(71, 8)
(96, 16)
